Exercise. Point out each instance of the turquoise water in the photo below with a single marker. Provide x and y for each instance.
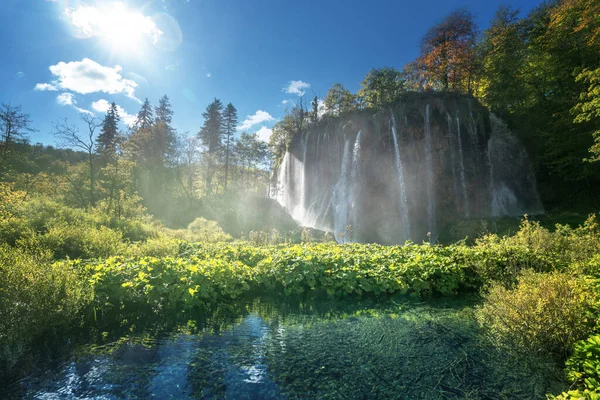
(295, 349)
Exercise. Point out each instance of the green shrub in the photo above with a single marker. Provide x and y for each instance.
(36, 297)
(543, 314)
(200, 230)
(82, 241)
(161, 246)
(205, 231)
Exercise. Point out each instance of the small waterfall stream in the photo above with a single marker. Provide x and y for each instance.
(354, 209)
(341, 200)
(429, 181)
(405, 219)
(463, 184)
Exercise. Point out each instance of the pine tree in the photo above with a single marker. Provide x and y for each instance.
(164, 111)
(230, 120)
(314, 115)
(108, 140)
(211, 134)
(145, 118)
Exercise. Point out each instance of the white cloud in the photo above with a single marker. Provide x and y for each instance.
(113, 21)
(284, 102)
(65, 99)
(68, 99)
(20, 74)
(264, 133)
(45, 86)
(297, 88)
(101, 106)
(87, 76)
(258, 117)
(208, 75)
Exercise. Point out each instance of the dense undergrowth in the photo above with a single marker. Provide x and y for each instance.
(62, 267)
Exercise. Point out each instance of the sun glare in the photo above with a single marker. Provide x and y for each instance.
(121, 28)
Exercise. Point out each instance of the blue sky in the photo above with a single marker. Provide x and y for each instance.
(64, 57)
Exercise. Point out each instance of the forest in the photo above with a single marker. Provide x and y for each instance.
(117, 231)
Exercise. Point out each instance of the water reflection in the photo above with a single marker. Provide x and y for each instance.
(279, 350)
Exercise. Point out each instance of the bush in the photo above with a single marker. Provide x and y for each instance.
(502, 259)
(544, 314)
(82, 241)
(36, 297)
(200, 230)
(161, 246)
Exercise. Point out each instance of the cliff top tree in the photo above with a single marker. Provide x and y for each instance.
(504, 49)
(448, 52)
(380, 87)
(339, 100)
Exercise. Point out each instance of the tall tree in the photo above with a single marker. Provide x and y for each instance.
(251, 153)
(504, 48)
(108, 140)
(381, 87)
(164, 111)
(230, 120)
(448, 53)
(314, 114)
(211, 135)
(163, 138)
(68, 136)
(14, 126)
(145, 117)
(339, 100)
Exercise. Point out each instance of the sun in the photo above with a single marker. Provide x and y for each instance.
(119, 27)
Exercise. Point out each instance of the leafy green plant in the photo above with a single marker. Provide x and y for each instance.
(583, 370)
(36, 298)
(543, 314)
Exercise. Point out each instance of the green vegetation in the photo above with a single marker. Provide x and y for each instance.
(147, 223)
(63, 267)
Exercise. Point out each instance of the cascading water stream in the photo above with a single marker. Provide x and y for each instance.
(430, 187)
(404, 216)
(452, 154)
(355, 184)
(340, 199)
(463, 183)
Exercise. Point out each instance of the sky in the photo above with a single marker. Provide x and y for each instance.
(61, 58)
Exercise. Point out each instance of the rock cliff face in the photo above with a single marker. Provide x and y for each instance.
(405, 172)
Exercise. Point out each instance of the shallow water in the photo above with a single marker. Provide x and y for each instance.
(295, 349)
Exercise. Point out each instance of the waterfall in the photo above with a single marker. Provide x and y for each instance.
(404, 217)
(491, 187)
(463, 184)
(281, 191)
(303, 187)
(340, 199)
(429, 183)
(355, 184)
(346, 173)
(453, 157)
